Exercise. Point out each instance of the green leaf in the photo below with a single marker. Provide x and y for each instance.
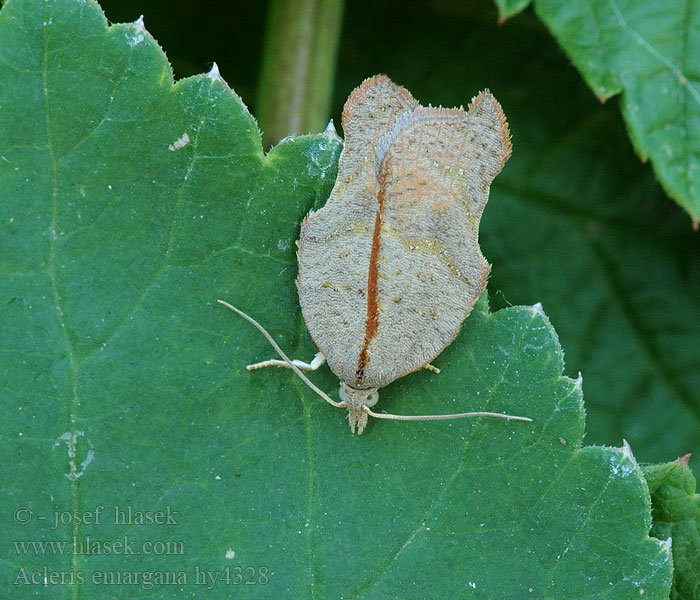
(124, 385)
(676, 512)
(649, 52)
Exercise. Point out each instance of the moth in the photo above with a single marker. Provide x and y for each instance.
(390, 267)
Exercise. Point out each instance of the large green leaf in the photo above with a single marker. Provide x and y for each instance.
(650, 52)
(127, 206)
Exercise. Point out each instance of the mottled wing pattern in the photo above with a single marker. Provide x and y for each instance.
(336, 242)
(391, 265)
(434, 170)
(368, 114)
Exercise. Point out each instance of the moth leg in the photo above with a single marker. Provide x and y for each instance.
(430, 367)
(317, 361)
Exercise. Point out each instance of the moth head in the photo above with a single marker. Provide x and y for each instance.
(357, 402)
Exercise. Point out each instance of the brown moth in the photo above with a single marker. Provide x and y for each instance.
(391, 266)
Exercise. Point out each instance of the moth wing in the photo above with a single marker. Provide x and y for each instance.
(336, 242)
(434, 170)
(368, 114)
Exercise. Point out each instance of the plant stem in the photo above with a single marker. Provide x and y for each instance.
(298, 67)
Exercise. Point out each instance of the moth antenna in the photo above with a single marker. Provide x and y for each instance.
(440, 417)
(279, 350)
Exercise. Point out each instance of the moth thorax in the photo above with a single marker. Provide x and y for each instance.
(354, 399)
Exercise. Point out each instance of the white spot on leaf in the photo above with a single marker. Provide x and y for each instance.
(71, 440)
(180, 142)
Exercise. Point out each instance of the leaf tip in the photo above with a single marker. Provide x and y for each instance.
(136, 32)
(683, 460)
(215, 75)
(665, 545)
(330, 130)
(537, 308)
(138, 23)
(627, 451)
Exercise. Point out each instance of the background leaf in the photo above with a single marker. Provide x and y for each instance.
(676, 511)
(128, 206)
(509, 8)
(650, 52)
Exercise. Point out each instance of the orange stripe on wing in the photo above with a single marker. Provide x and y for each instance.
(372, 322)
